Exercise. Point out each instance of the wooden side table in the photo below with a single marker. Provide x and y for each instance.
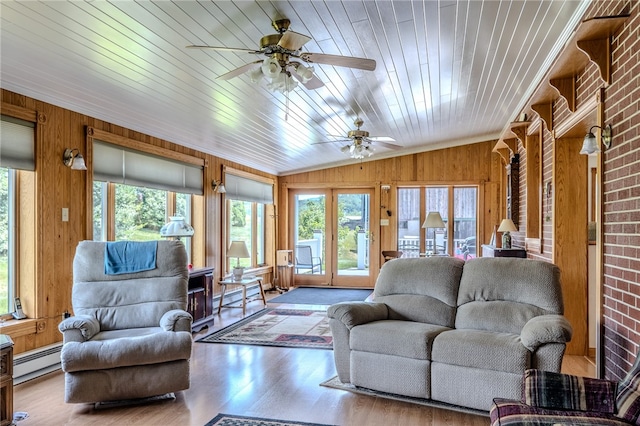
(6, 380)
(244, 282)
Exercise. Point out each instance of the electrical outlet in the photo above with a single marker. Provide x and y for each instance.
(65, 214)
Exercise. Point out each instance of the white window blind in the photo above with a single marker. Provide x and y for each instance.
(245, 189)
(17, 143)
(115, 164)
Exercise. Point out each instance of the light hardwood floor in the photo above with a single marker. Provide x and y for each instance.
(258, 381)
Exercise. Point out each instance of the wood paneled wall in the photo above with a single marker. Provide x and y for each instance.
(468, 164)
(56, 187)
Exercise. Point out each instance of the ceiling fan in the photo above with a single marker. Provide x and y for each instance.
(360, 143)
(283, 73)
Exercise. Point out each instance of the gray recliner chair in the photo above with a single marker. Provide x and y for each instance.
(130, 337)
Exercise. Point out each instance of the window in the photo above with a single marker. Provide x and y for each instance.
(135, 193)
(7, 215)
(17, 155)
(457, 206)
(247, 199)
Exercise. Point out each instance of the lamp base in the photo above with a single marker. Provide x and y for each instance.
(506, 240)
(237, 273)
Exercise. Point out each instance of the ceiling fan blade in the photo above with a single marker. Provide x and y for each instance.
(388, 145)
(341, 140)
(238, 71)
(292, 40)
(381, 139)
(341, 61)
(228, 49)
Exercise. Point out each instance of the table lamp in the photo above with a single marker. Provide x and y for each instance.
(506, 227)
(433, 220)
(176, 227)
(238, 249)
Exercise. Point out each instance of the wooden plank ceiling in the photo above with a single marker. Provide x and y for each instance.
(448, 72)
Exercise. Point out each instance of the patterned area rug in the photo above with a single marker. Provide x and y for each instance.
(292, 328)
(231, 420)
(335, 383)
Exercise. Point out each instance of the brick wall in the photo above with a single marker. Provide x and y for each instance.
(621, 182)
(621, 179)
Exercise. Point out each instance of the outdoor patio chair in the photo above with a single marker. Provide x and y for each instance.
(306, 260)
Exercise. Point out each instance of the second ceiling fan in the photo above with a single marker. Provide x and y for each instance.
(281, 71)
(360, 143)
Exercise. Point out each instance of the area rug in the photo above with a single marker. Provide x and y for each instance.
(231, 420)
(335, 383)
(321, 296)
(291, 328)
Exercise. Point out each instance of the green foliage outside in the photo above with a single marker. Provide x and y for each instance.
(140, 212)
(4, 241)
(311, 217)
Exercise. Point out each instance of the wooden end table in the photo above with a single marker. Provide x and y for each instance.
(244, 282)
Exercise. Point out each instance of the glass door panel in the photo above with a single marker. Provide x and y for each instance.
(351, 237)
(309, 230)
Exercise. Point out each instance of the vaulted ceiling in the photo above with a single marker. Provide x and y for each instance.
(448, 72)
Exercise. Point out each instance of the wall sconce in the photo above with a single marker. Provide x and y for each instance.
(73, 159)
(385, 188)
(218, 186)
(591, 146)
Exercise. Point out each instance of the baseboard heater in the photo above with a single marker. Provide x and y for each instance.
(31, 364)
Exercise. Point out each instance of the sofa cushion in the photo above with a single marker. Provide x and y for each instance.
(496, 294)
(481, 349)
(628, 398)
(507, 412)
(401, 338)
(150, 348)
(420, 289)
(558, 391)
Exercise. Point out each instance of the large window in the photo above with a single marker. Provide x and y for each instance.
(247, 199)
(457, 205)
(135, 193)
(17, 155)
(7, 214)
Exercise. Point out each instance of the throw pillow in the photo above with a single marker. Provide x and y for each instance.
(558, 391)
(628, 399)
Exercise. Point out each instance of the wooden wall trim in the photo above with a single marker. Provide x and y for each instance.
(19, 112)
(125, 142)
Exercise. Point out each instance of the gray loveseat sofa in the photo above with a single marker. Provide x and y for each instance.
(451, 331)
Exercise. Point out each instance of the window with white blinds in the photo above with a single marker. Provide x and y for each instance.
(17, 143)
(115, 164)
(246, 189)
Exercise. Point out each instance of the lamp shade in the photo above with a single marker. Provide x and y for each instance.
(176, 227)
(434, 220)
(507, 225)
(590, 145)
(238, 249)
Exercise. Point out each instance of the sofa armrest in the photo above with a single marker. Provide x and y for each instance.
(176, 320)
(79, 328)
(355, 313)
(545, 329)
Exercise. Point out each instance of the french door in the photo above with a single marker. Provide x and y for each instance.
(331, 236)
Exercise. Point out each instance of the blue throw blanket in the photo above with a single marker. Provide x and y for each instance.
(124, 257)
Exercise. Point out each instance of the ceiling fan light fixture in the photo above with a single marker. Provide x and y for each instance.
(271, 68)
(256, 75)
(305, 73)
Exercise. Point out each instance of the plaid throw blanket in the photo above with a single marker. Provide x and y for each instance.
(566, 392)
